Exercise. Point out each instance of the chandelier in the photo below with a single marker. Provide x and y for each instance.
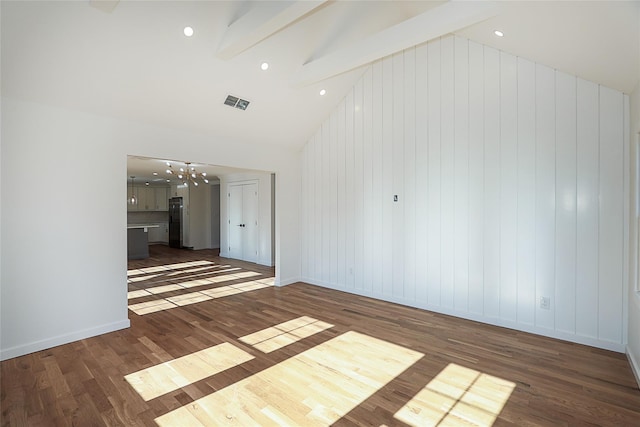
(188, 174)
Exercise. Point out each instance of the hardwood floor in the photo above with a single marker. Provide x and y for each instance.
(213, 343)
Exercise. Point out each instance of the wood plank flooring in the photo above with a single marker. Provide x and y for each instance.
(213, 343)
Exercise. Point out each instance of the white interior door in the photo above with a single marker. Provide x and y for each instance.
(250, 222)
(243, 222)
(235, 222)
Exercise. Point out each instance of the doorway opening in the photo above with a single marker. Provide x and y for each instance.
(187, 227)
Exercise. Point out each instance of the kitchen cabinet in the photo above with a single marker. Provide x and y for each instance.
(149, 199)
(146, 199)
(161, 198)
(159, 234)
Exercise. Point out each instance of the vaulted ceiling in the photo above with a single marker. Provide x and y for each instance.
(130, 59)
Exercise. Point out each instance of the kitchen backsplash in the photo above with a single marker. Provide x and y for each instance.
(147, 217)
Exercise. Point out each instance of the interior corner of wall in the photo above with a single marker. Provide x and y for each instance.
(635, 364)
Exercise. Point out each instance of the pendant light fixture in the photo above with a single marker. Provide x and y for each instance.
(132, 200)
(188, 175)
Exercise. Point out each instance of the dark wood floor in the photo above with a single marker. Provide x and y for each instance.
(83, 384)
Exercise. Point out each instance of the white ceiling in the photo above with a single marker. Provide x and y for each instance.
(135, 62)
(143, 169)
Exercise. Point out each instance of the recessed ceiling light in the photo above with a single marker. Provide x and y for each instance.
(498, 33)
(188, 31)
(264, 66)
(323, 92)
(155, 174)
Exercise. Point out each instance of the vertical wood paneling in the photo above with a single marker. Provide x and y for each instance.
(587, 188)
(342, 212)
(378, 187)
(447, 170)
(367, 173)
(304, 212)
(508, 186)
(387, 176)
(358, 189)
(611, 215)
(545, 193)
(526, 260)
(398, 174)
(333, 198)
(461, 175)
(565, 286)
(422, 147)
(626, 151)
(311, 197)
(491, 182)
(433, 191)
(326, 201)
(476, 178)
(510, 178)
(317, 180)
(410, 174)
(349, 191)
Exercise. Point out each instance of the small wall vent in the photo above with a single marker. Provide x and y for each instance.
(234, 101)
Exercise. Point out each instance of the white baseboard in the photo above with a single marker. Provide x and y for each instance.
(289, 281)
(635, 365)
(21, 350)
(565, 336)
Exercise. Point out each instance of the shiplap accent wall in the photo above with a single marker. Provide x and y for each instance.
(511, 182)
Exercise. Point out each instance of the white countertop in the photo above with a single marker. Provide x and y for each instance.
(145, 226)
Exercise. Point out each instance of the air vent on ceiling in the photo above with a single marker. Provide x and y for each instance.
(234, 101)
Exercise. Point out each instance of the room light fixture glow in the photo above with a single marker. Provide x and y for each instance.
(498, 33)
(188, 175)
(323, 92)
(188, 31)
(264, 66)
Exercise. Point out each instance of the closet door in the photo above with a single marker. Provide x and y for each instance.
(235, 221)
(250, 222)
(243, 222)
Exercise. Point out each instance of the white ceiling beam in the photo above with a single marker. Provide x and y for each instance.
(433, 23)
(260, 22)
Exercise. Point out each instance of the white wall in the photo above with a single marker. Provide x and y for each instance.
(199, 217)
(633, 346)
(511, 187)
(265, 236)
(56, 284)
(215, 216)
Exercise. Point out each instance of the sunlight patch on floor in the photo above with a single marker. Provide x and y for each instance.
(212, 270)
(314, 388)
(165, 267)
(283, 334)
(169, 376)
(457, 396)
(138, 294)
(167, 303)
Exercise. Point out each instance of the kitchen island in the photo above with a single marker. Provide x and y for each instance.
(138, 240)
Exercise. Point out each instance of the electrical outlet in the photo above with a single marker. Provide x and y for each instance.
(545, 303)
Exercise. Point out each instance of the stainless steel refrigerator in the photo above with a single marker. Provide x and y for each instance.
(175, 222)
